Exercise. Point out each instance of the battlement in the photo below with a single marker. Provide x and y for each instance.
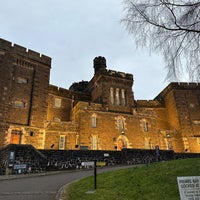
(148, 103)
(120, 74)
(75, 95)
(178, 86)
(22, 51)
(100, 68)
(184, 85)
(60, 91)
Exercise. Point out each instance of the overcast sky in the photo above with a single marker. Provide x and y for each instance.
(73, 33)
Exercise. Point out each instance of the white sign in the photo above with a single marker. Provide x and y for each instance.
(189, 187)
(88, 164)
(20, 166)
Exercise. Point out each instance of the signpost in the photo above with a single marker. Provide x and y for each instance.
(101, 164)
(189, 187)
(88, 164)
(95, 174)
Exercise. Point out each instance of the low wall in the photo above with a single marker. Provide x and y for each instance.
(18, 159)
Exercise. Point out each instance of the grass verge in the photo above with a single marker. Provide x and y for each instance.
(156, 181)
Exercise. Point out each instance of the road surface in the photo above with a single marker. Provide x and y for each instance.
(44, 186)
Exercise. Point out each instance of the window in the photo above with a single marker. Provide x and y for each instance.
(94, 120)
(94, 141)
(145, 125)
(120, 123)
(57, 103)
(31, 133)
(111, 96)
(198, 140)
(123, 101)
(21, 80)
(117, 101)
(62, 142)
(19, 104)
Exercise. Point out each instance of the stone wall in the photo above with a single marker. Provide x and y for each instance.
(16, 159)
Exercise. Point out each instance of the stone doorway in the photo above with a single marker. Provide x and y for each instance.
(15, 137)
(122, 142)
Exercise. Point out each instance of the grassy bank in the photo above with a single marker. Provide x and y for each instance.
(150, 182)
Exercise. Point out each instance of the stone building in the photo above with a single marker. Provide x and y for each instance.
(100, 114)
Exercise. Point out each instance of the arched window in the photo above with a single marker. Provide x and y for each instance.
(120, 123)
(145, 125)
(123, 99)
(117, 101)
(94, 120)
(111, 96)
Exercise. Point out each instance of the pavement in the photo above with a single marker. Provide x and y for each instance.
(59, 193)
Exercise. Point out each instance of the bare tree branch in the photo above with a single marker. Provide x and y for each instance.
(170, 27)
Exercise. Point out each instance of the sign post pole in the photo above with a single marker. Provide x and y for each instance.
(95, 174)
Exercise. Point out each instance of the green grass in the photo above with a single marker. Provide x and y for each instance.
(150, 182)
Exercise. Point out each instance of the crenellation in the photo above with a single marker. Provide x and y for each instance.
(4, 44)
(33, 54)
(22, 51)
(19, 50)
(45, 59)
(148, 103)
(177, 86)
(119, 74)
(53, 88)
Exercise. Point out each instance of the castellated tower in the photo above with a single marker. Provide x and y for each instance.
(111, 88)
(24, 76)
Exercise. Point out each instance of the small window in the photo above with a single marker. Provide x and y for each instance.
(57, 103)
(94, 121)
(120, 123)
(145, 126)
(111, 96)
(32, 133)
(19, 104)
(198, 140)
(117, 101)
(22, 80)
(123, 100)
(94, 141)
(62, 142)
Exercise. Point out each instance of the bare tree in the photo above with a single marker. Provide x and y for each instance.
(170, 27)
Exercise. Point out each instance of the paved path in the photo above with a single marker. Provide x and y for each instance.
(43, 186)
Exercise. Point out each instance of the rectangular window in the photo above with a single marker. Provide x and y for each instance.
(111, 96)
(94, 121)
(19, 104)
(22, 80)
(117, 101)
(198, 140)
(145, 126)
(120, 124)
(57, 103)
(62, 142)
(123, 101)
(94, 142)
